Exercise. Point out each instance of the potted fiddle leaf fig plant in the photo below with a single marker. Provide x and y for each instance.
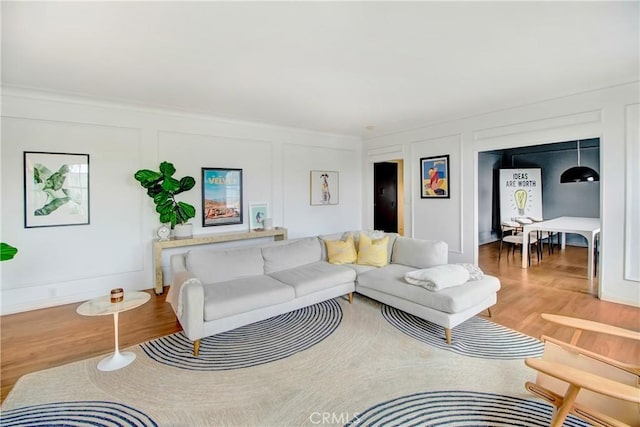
(162, 187)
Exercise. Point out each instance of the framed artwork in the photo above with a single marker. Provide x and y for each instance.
(324, 188)
(257, 213)
(434, 177)
(221, 196)
(56, 189)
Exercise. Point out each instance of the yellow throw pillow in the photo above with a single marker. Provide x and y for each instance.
(341, 251)
(372, 252)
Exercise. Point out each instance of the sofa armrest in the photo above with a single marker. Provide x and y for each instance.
(186, 296)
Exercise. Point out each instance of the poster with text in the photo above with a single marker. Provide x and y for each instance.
(520, 193)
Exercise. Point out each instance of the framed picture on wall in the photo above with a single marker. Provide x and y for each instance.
(434, 177)
(221, 196)
(257, 213)
(324, 188)
(56, 189)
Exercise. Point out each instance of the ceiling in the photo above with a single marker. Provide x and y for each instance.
(355, 68)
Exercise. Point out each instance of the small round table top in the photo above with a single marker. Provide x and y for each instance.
(102, 305)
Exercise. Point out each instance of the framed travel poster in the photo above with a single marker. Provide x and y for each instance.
(221, 196)
(56, 189)
(324, 188)
(434, 177)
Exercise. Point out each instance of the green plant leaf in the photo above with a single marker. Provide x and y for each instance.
(167, 169)
(187, 183)
(145, 176)
(7, 251)
(155, 190)
(173, 218)
(170, 184)
(166, 206)
(186, 211)
(166, 217)
(161, 196)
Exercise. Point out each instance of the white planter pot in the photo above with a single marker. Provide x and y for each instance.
(183, 231)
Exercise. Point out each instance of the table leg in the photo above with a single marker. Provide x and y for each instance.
(117, 360)
(590, 240)
(525, 247)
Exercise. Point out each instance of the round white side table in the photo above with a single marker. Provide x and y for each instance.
(102, 306)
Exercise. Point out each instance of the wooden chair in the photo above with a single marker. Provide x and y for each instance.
(597, 389)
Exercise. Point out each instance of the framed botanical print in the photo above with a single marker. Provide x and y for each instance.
(434, 177)
(56, 189)
(221, 196)
(324, 188)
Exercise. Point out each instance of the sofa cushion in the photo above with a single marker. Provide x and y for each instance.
(315, 277)
(211, 266)
(372, 252)
(390, 280)
(419, 253)
(242, 295)
(341, 251)
(290, 254)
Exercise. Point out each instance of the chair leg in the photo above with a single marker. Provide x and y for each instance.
(566, 406)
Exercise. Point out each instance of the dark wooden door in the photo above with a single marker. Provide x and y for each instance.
(385, 198)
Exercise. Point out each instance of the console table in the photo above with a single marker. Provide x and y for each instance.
(277, 233)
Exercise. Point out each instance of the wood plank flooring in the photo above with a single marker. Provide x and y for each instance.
(51, 337)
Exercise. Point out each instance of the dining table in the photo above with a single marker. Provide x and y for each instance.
(587, 227)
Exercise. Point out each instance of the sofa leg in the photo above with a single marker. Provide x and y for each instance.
(350, 297)
(196, 348)
(447, 334)
(489, 312)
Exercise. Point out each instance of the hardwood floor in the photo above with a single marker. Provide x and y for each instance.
(51, 337)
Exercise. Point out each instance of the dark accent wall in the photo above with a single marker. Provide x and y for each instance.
(574, 199)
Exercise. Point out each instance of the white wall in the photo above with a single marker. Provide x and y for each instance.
(607, 113)
(57, 265)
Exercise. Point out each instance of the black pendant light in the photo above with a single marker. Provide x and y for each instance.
(579, 173)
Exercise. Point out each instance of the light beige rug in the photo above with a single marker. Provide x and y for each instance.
(366, 361)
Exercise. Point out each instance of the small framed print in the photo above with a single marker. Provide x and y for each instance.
(324, 188)
(257, 213)
(221, 196)
(56, 189)
(434, 177)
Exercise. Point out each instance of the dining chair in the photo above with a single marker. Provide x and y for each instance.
(511, 233)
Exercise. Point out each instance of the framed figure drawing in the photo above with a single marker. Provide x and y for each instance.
(434, 177)
(221, 196)
(56, 189)
(257, 214)
(324, 188)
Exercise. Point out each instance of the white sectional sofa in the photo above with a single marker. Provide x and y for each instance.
(217, 290)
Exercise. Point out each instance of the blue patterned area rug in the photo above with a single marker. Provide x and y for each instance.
(459, 408)
(475, 337)
(261, 342)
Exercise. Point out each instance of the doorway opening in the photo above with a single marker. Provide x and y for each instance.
(388, 197)
(581, 199)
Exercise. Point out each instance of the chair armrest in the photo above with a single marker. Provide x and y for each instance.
(587, 380)
(588, 325)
